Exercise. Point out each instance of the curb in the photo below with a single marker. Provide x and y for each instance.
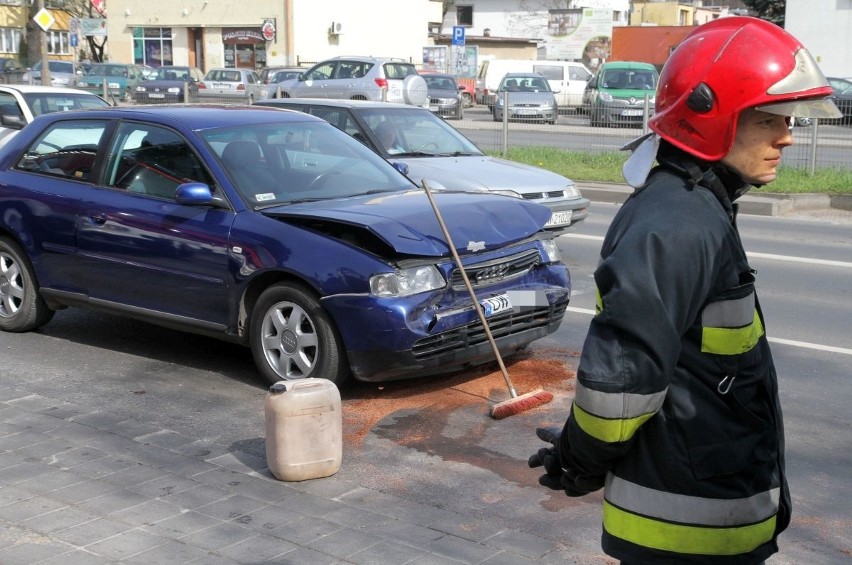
(759, 205)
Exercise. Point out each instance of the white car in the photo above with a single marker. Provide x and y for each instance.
(425, 146)
(21, 103)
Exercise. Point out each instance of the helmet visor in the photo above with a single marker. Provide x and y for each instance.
(813, 108)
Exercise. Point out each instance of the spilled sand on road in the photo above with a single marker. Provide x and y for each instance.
(366, 404)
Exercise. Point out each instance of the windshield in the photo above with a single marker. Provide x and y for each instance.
(285, 163)
(417, 133)
(107, 70)
(56, 67)
(629, 79)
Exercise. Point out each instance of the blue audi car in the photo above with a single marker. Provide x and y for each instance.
(268, 228)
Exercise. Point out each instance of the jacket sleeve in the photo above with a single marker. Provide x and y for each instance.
(652, 281)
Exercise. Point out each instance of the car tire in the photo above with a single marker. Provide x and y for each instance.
(22, 308)
(415, 91)
(293, 338)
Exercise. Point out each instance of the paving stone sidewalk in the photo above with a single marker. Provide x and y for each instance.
(81, 487)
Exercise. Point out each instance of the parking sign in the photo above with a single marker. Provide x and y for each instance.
(458, 35)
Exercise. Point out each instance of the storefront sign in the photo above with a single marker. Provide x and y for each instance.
(268, 29)
(242, 35)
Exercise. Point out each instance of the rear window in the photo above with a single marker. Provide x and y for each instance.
(226, 76)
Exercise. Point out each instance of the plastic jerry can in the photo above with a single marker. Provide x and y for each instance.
(304, 429)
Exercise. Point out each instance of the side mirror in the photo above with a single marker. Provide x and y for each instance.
(194, 194)
(13, 122)
(401, 167)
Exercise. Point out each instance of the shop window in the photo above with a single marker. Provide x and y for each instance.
(152, 46)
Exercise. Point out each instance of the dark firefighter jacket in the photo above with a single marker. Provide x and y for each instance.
(676, 400)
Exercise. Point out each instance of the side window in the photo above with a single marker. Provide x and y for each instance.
(321, 72)
(153, 161)
(67, 149)
(9, 106)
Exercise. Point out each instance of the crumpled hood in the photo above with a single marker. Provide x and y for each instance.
(407, 222)
(483, 173)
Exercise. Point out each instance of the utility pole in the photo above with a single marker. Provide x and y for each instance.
(42, 37)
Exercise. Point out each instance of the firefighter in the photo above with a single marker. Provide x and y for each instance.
(676, 412)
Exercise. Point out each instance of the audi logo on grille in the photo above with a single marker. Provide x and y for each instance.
(492, 273)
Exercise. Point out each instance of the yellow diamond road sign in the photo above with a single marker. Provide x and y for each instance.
(44, 19)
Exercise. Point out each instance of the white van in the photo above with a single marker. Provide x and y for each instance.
(567, 79)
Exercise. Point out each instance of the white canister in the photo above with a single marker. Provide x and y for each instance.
(304, 429)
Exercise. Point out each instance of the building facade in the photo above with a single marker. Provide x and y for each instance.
(224, 33)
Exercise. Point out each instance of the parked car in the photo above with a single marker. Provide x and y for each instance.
(121, 79)
(21, 103)
(357, 78)
(268, 74)
(567, 79)
(231, 84)
(430, 148)
(616, 94)
(529, 99)
(842, 96)
(445, 97)
(271, 229)
(280, 75)
(62, 73)
(11, 71)
(170, 85)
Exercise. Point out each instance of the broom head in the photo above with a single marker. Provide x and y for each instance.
(521, 403)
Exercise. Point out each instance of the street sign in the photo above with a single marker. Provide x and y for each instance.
(72, 40)
(458, 35)
(44, 19)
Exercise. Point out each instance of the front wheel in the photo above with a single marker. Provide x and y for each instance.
(293, 338)
(21, 307)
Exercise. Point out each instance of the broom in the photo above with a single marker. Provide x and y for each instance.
(516, 404)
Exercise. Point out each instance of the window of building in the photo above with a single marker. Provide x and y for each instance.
(10, 40)
(464, 15)
(57, 43)
(152, 46)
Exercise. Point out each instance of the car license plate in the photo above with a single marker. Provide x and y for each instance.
(631, 112)
(559, 219)
(496, 304)
(156, 95)
(526, 112)
(222, 86)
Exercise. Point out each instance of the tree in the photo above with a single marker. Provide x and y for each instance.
(769, 10)
(77, 9)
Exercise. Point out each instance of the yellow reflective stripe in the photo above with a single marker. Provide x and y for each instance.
(680, 538)
(609, 430)
(732, 341)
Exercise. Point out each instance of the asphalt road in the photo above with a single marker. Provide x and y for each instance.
(432, 441)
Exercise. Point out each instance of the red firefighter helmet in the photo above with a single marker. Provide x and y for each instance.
(726, 66)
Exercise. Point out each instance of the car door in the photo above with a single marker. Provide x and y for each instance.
(255, 85)
(147, 253)
(315, 81)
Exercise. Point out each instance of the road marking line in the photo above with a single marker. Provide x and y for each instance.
(804, 344)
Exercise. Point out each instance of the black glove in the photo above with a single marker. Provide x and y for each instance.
(557, 477)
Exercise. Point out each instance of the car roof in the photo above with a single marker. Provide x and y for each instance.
(518, 75)
(628, 65)
(192, 116)
(337, 103)
(40, 89)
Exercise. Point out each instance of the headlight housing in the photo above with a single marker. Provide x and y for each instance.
(572, 191)
(551, 250)
(140, 89)
(174, 90)
(406, 282)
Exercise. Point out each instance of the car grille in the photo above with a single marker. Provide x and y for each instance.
(493, 272)
(540, 195)
(500, 326)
